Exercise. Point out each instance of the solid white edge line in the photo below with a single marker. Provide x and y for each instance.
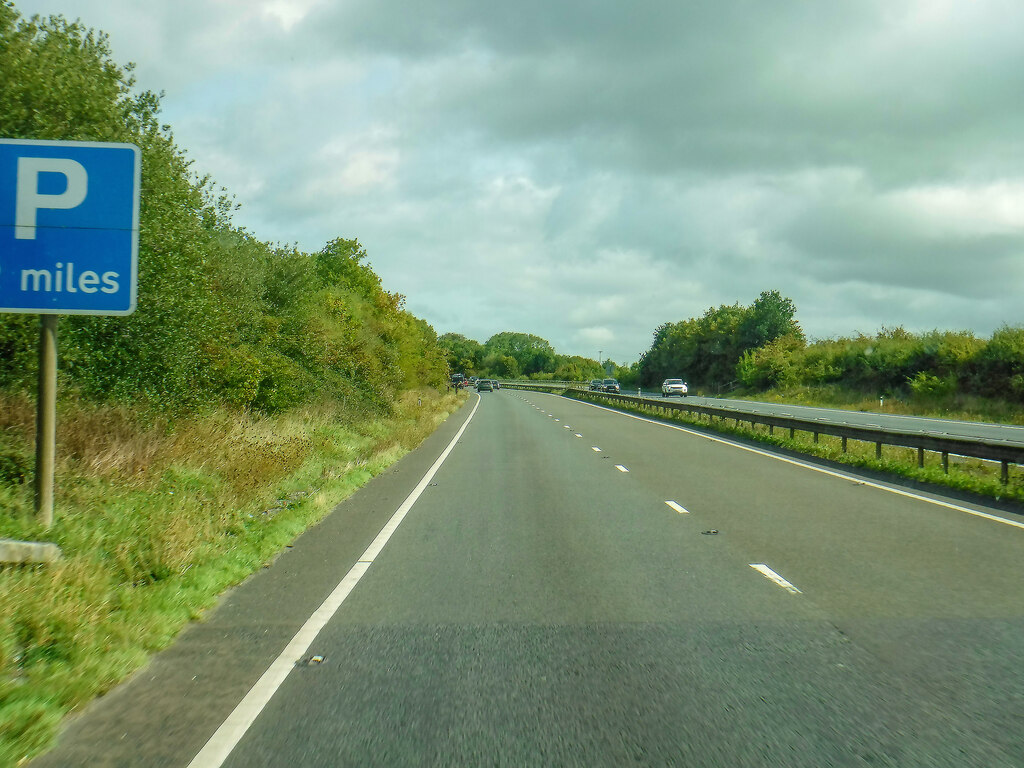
(771, 575)
(231, 731)
(813, 468)
(677, 508)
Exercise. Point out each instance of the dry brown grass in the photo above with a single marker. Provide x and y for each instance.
(154, 519)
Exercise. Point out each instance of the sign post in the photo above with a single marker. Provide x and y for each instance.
(69, 243)
(46, 419)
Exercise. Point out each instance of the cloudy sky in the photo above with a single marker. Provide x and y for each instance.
(586, 171)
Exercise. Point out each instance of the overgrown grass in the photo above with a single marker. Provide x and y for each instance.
(155, 520)
(965, 474)
(957, 406)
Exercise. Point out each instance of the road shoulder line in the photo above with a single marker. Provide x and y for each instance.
(231, 731)
(807, 465)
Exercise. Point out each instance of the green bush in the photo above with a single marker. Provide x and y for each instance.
(936, 364)
(927, 385)
(222, 317)
(15, 461)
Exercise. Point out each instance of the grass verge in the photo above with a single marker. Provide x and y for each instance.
(965, 475)
(155, 520)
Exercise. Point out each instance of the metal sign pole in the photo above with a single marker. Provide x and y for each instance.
(46, 419)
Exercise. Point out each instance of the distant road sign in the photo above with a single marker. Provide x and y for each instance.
(69, 227)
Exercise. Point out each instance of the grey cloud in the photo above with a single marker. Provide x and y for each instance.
(587, 171)
(868, 243)
(719, 86)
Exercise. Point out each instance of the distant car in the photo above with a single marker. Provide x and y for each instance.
(671, 387)
(595, 385)
(610, 385)
(484, 385)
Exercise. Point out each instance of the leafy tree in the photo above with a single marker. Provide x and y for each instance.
(464, 355)
(534, 354)
(770, 317)
(222, 317)
(706, 350)
(577, 368)
(771, 365)
(998, 369)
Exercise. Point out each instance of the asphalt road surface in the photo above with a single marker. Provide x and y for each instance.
(575, 586)
(1008, 433)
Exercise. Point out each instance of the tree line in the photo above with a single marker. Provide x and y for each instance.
(706, 350)
(896, 362)
(222, 316)
(761, 346)
(512, 355)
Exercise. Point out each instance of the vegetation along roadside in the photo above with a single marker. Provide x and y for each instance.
(255, 386)
(154, 522)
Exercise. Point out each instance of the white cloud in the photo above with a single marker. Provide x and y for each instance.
(288, 13)
(964, 210)
(587, 171)
(593, 336)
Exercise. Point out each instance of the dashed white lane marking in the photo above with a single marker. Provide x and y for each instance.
(621, 468)
(578, 435)
(677, 508)
(814, 468)
(233, 729)
(771, 575)
(566, 426)
(595, 449)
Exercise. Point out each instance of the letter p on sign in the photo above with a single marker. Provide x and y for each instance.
(29, 199)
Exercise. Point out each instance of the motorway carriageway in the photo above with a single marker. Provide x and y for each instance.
(548, 582)
(1008, 433)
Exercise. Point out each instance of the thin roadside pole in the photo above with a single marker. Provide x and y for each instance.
(46, 419)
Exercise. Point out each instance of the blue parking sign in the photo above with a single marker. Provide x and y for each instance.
(69, 227)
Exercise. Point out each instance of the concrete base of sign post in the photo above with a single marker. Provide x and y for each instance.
(12, 551)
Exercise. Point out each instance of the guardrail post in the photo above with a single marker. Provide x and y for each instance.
(945, 462)
(1004, 474)
(878, 450)
(920, 458)
(792, 432)
(844, 443)
(771, 429)
(815, 437)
